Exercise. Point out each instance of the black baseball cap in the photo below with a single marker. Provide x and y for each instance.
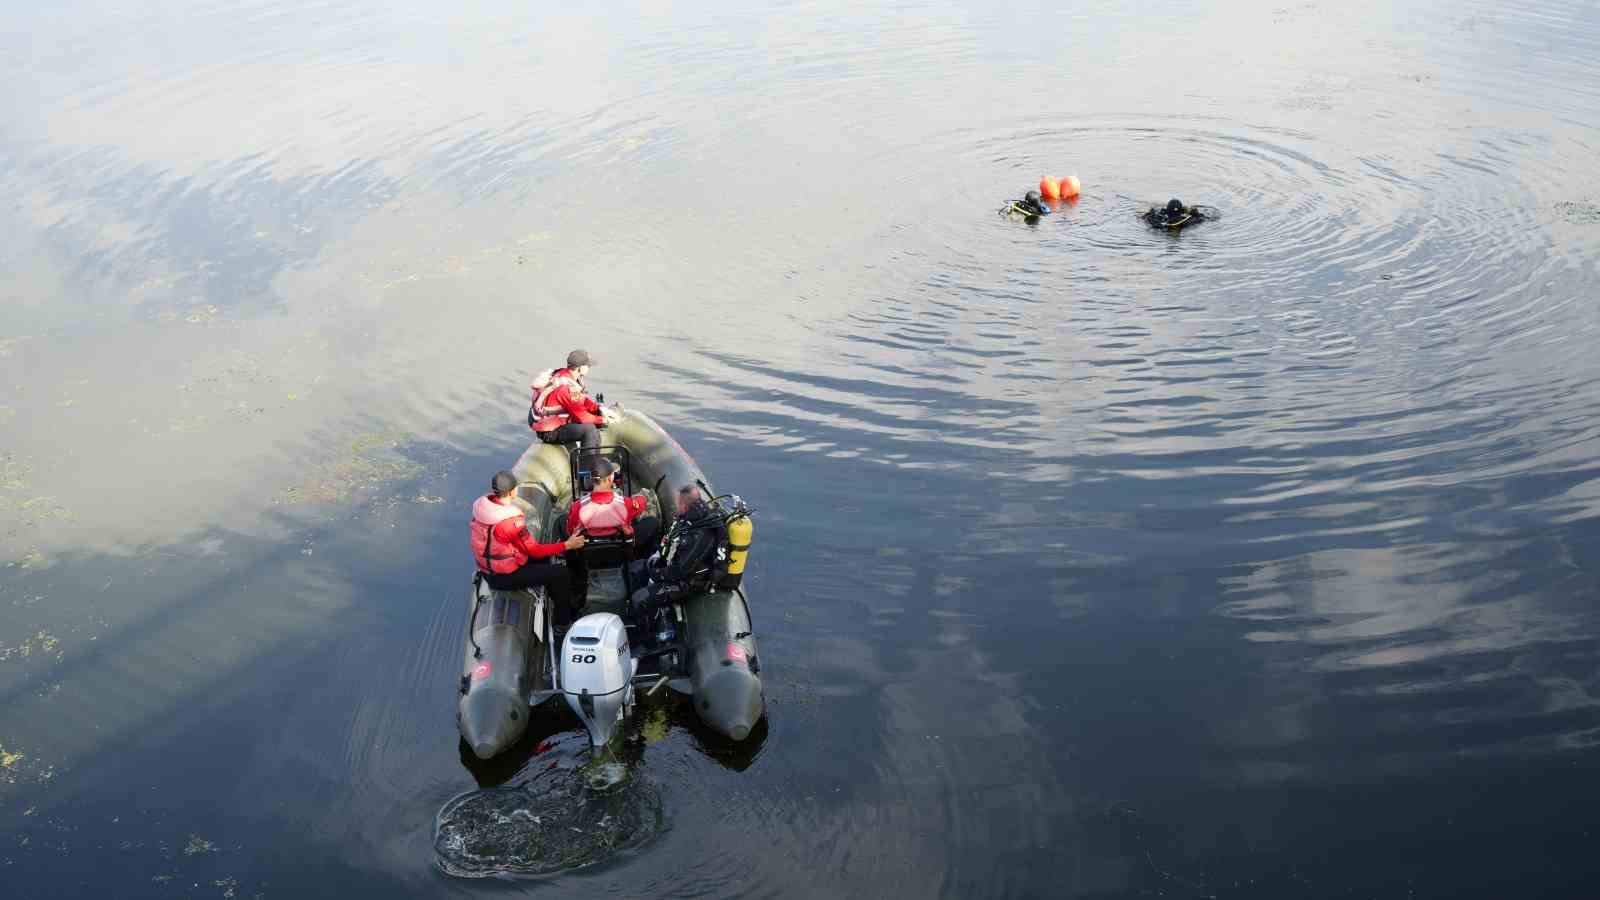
(579, 358)
(503, 482)
(604, 467)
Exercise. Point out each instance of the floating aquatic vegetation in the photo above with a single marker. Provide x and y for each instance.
(202, 313)
(1579, 212)
(192, 313)
(21, 513)
(17, 767)
(41, 643)
(562, 819)
(13, 472)
(374, 462)
(653, 722)
(32, 559)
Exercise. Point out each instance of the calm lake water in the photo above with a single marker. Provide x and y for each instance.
(1261, 560)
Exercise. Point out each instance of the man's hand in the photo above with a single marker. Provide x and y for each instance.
(576, 542)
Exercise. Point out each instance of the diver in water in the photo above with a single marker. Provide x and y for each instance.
(1175, 215)
(1030, 206)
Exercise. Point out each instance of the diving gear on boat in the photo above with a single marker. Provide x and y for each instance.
(706, 547)
(740, 529)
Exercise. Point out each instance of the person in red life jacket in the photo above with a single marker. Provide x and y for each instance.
(507, 554)
(602, 512)
(561, 412)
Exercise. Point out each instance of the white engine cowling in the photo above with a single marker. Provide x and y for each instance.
(597, 674)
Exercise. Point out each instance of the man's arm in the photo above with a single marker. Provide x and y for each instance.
(637, 504)
(515, 531)
(581, 408)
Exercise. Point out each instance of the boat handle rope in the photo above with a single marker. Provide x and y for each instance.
(472, 620)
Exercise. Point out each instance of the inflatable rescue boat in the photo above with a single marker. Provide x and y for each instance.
(679, 620)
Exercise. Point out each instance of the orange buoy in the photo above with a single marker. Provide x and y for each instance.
(1069, 186)
(1049, 188)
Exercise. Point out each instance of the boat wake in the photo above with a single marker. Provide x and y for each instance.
(561, 819)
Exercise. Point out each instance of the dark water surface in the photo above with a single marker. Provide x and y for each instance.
(1258, 561)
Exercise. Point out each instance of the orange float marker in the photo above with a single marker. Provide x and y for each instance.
(1049, 188)
(1069, 186)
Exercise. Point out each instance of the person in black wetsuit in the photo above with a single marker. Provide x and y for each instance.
(1030, 206)
(1175, 215)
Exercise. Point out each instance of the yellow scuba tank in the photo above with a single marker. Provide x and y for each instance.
(740, 529)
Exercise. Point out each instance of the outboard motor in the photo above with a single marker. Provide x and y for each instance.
(597, 674)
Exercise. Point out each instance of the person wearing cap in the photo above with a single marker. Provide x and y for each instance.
(603, 513)
(508, 556)
(561, 413)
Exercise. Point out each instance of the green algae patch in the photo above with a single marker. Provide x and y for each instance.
(21, 511)
(17, 767)
(1579, 212)
(372, 462)
(40, 643)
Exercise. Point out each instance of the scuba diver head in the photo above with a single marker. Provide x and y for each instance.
(1029, 207)
(1175, 215)
(689, 501)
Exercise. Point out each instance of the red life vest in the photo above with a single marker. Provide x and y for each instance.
(603, 519)
(546, 416)
(491, 554)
